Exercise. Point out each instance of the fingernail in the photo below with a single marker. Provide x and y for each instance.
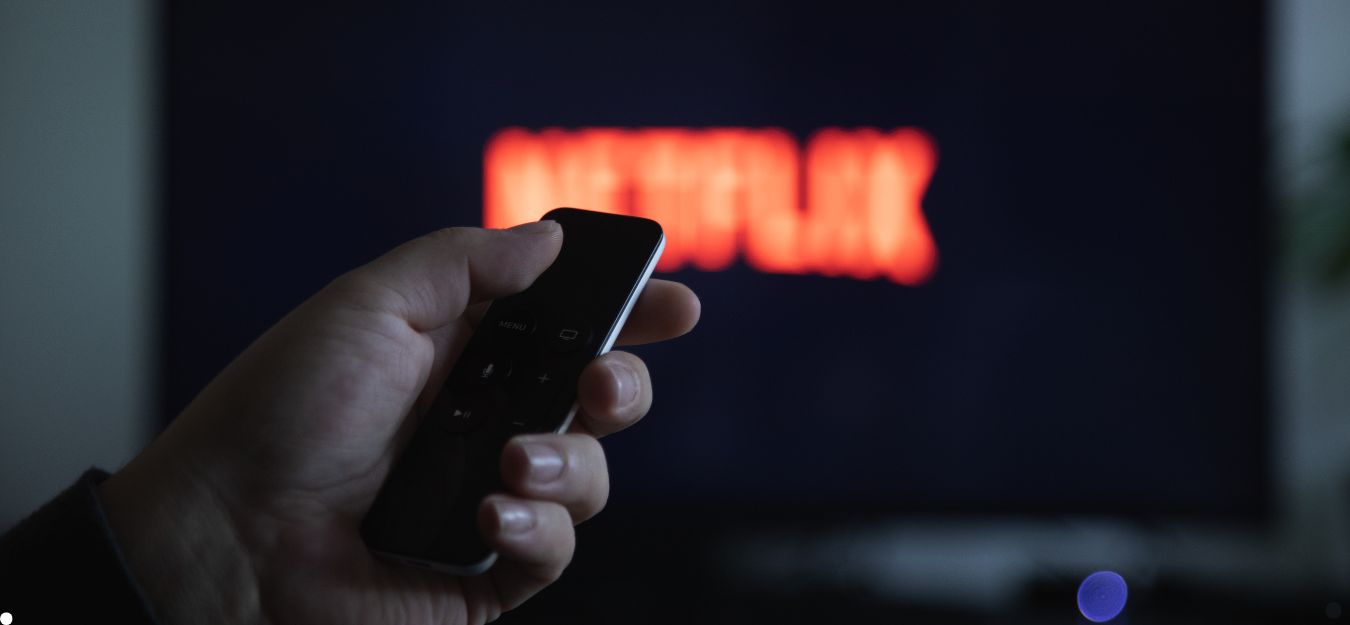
(628, 384)
(537, 227)
(514, 518)
(546, 464)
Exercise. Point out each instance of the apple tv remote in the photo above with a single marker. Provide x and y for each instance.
(517, 374)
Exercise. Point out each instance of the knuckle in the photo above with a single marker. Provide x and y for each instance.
(555, 569)
(457, 239)
(448, 236)
(587, 453)
(594, 506)
(561, 543)
(589, 458)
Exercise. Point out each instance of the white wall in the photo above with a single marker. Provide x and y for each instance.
(75, 242)
(1310, 108)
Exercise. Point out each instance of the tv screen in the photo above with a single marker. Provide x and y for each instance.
(953, 257)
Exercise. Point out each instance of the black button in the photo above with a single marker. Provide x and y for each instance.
(460, 414)
(514, 325)
(480, 370)
(569, 335)
(534, 387)
(533, 380)
(534, 413)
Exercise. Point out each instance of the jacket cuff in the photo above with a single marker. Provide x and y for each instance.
(62, 564)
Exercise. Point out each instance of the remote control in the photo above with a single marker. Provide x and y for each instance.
(517, 374)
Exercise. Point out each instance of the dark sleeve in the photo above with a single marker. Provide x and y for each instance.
(62, 564)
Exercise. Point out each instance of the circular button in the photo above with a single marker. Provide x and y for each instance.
(461, 413)
(480, 370)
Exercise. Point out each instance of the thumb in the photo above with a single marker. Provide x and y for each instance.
(429, 281)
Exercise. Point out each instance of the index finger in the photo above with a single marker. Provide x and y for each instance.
(664, 310)
(429, 281)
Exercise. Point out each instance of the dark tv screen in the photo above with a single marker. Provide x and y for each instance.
(1017, 264)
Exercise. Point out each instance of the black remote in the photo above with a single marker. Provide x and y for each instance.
(518, 374)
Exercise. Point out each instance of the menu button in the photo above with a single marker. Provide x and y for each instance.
(515, 326)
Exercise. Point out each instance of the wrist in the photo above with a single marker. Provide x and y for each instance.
(180, 543)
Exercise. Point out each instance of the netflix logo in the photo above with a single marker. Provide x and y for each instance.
(846, 205)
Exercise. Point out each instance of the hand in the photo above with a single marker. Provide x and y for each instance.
(247, 509)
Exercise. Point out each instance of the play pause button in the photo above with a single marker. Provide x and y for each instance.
(461, 416)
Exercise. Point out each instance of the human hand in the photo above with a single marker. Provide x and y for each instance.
(248, 508)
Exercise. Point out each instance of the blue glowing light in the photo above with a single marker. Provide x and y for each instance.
(1101, 596)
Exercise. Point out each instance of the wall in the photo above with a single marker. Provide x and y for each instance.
(1310, 108)
(76, 242)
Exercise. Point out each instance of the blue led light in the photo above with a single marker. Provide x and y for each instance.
(1101, 596)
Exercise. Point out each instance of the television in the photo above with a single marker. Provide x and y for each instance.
(973, 259)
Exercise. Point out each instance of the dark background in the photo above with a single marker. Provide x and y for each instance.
(1092, 342)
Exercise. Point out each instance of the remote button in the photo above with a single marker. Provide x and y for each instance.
(481, 370)
(533, 380)
(535, 414)
(534, 387)
(460, 415)
(569, 335)
(517, 325)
